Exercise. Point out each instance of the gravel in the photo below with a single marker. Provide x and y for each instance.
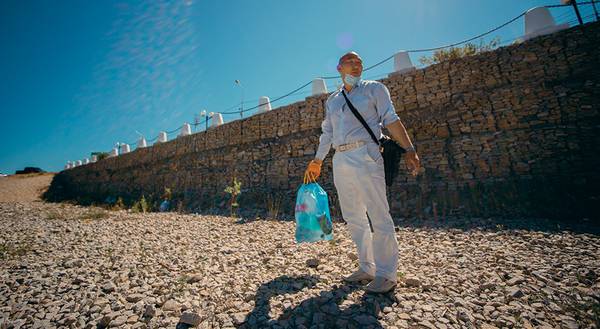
(84, 267)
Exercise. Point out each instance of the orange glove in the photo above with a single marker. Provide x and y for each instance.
(313, 171)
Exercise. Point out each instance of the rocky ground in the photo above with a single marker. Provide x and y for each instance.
(69, 266)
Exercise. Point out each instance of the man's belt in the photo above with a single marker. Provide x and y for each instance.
(350, 146)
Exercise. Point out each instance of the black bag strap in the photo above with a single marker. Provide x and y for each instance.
(360, 118)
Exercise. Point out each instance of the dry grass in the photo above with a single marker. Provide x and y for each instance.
(92, 213)
(10, 250)
(21, 176)
(54, 215)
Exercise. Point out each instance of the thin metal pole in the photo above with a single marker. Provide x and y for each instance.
(595, 10)
(242, 104)
(239, 83)
(574, 3)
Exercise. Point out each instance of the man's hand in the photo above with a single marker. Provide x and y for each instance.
(413, 162)
(400, 135)
(313, 171)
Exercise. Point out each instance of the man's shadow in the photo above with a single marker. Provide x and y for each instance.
(324, 309)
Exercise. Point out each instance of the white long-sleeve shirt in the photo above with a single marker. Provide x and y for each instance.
(340, 126)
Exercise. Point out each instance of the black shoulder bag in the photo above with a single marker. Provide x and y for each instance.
(390, 150)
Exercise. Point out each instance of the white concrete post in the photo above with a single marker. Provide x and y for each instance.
(114, 153)
(142, 142)
(402, 62)
(186, 129)
(217, 120)
(86, 161)
(125, 148)
(539, 21)
(94, 158)
(264, 104)
(162, 137)
(79, 163)
(319, 87)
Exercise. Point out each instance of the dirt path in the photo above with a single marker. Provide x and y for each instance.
(23, 188)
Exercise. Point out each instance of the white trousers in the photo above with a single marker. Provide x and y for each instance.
(359, 179)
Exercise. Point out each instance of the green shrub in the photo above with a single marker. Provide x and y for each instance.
(469, 49)
(141, 205)
(234, 190)
(119, 204)
(102, 155)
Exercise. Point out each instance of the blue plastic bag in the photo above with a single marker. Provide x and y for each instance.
(313, 221)
(164, 206)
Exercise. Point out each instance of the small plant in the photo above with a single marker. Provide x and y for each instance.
(94, 213)
(234, 190)
(273, 206)
(102, 155)
(10, 250)
(98, 214)
(53, 215)
(180, 285)
(140, 206)
(119, 204)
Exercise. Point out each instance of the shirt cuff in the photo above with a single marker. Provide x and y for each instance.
(322, 151)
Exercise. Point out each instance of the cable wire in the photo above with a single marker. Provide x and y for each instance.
(272, 101)
(295, 91)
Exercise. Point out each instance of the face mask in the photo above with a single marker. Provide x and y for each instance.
(351, 80)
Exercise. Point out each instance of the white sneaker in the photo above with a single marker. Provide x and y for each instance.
(358, 276)
(380, 285)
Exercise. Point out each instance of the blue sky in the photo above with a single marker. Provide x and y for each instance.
(80, 76)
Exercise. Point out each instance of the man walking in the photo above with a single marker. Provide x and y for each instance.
(358, 171)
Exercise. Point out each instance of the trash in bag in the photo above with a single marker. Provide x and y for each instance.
(164, 206)
(313, 221)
